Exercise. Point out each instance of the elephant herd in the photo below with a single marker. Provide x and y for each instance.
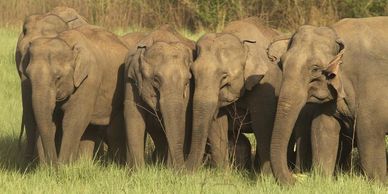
(304, 96)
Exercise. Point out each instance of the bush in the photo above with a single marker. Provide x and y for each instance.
(197, 15)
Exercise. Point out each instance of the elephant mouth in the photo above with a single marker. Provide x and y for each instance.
(317, 99)
(60, 99)
(225, 102)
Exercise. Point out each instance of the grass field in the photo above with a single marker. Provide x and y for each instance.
(94, 177)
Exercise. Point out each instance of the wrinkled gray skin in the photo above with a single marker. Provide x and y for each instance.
(351, 92)
(36, 26)
(132, 39)
(74, 82)
(157, 92)
(299, 153)
(229, 66)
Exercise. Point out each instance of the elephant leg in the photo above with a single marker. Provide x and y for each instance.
(158, 136)
(135, 140)
(116, 139)
(218, 138)
(134, 117)
(303, 143)
(240, 151)
(135, 132)
(58, 117)
(31, 132)
(345, 151)
(263, 138)
(28, 122)
(77, 115)
(39, 148)
(262, 108)
(34, 148)
(325, 131)
(88, 142)
(75, 122)
(371, 146)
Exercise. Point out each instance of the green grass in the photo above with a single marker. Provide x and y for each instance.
(94, 177)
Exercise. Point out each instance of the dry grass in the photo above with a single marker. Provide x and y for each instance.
(197, 15)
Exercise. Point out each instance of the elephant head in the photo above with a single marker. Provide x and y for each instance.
(310, 62)
(55, 70)
(47, 25)
(70, 16)
(161, 72)
(225, 67)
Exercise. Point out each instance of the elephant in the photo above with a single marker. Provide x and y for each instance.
(157, 93)
(240, 151)
(45, 25)
(343, 69)
(74, 82)
(299, 152)
(232, 73)
(132, 39)
(35, 26)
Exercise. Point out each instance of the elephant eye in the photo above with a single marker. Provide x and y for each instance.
(315, 68)
(224, 80)
(316, 71)
(57, 76)
(156, 81)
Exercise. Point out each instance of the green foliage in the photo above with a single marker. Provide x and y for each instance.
(364, 8)
(214, 13)
(197, 15)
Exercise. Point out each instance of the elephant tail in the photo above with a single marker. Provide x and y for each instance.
(21, 132)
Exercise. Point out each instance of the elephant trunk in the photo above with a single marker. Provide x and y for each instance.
(173, 111)
(205, 104)
(291, 101)
(43, 104)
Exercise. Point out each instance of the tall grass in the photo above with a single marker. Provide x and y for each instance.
(197, 15)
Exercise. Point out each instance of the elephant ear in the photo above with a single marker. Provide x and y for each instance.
(255, 68)
(70, 16)
(332, 71)
(83, 60)
(134, 62)
(188, 53)
(53, 25)
(277, 48)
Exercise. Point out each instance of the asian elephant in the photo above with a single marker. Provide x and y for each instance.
(157, 93)
(344, 69)
(45, 25)
(75, 82)
(299, 153)
(232, 72)
(35, 26)
(132, 39)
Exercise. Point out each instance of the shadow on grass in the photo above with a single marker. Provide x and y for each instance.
(12, 160)
(11, 155)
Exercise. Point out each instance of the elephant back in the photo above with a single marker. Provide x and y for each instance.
(168, 34)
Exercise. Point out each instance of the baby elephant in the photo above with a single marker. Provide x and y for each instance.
(157, 91)
(73, 83)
